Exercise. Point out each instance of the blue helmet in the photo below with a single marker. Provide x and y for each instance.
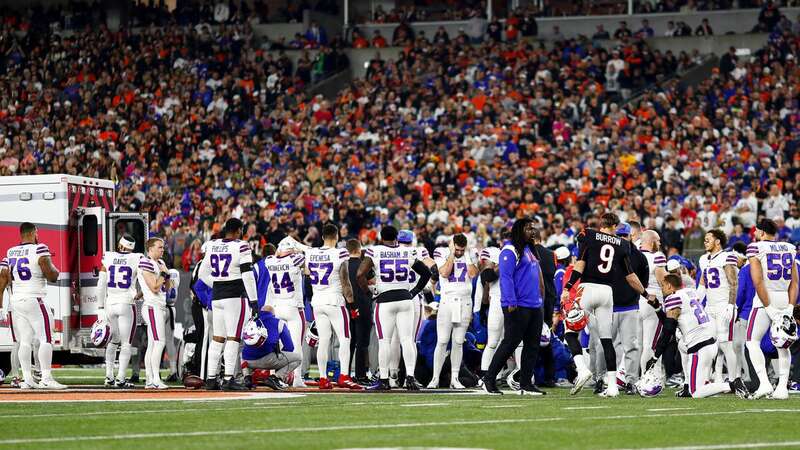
(405, 236)
(624, 229)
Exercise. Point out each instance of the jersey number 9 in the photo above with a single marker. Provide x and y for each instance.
(607, 258)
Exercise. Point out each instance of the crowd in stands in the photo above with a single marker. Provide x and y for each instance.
(196, 126)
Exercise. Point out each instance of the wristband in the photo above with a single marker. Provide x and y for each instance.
(574, 277)
(164, 275)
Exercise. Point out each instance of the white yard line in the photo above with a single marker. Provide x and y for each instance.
(113, 437)
(669, 409)
(585, 407)
(502, 406)
(410, 405)
(783, 444)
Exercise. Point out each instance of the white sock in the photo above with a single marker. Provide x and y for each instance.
(231, 353)
(46, 360)
(124, 360)
(111, 353)
(580, 363)
(784, 367)
(214, 355)
(155, 362)
(438, 359)
(759, 364)
(730, 360)
(25, 361)
(456, 355)
(611, 380)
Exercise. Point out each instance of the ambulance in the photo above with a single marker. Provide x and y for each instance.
(76, 218)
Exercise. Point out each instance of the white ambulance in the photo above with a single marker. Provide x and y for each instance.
(76, 219)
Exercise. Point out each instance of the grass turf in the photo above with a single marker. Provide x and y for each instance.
(324, 421)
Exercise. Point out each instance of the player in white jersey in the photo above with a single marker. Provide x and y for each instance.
(279, 278)
(28, 270)
(171, 348)
(331, 290)
(774, 275)
(650, 246)
(488, 290)
(394, 308)
(117, 285)
(228, 268)
(719, 280)
(456, 270)
(684, 311)
(154, 281)
(406, 239)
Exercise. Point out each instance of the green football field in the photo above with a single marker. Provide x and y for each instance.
(372, 420)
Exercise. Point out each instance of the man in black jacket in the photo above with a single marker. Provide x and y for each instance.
(547, 261)
(626, 312)
(361, 326)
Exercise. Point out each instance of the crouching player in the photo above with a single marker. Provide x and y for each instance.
(684, 312)
(268, 345)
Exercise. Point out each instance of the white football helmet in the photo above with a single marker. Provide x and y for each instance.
(311, 335)
(254, 333)
(101, 333)
(651, 383)
(783, 332)
(544, 340)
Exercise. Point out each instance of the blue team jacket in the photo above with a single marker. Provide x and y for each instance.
(204, 294)
(519, 278)
(262, 281)
(277, 332)
(745, 293)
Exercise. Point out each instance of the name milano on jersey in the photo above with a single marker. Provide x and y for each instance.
(285, 279)
(716, 282)
(777, 260)
(27, 278)
(393, 270)
(122, 269)
(323, 272)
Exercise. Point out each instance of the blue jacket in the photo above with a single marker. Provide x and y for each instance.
(277, 332)
(745, 292)
(519, 278)
(262, 281)
(204, 294)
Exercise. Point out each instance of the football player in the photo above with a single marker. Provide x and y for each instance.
(488, 292)
(279, 278)
(406, 239)
(330, 284)
(274, 350)
(718, 283)
(603, 259)
(684, 311)
(774, 275)
(28, 271)
(395, 306)
(228, 268)
(456, 270)
(657, 262)
(153, 277)
(117, 283)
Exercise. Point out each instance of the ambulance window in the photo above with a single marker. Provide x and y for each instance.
(90, 235)
(133, 228)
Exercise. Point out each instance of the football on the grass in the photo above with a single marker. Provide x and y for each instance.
(193, 382)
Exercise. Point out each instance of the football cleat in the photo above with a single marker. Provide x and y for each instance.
(173, 378)
(580, 381)
(28, 385)
(684, 393)
(738, 387)
(490, 387)
(780, 393)
(434, 384)
(599, 387)
(232, 385)
(412, 384)
(325, 384)
(109, 382)
(513, 380)
(15, 382)
(610, 392)
(135, 378)
(51, 385)
(275, 383)
(380, 385)
(763, 390)
(123, 384)
(346, 382)
(212, 384)
(160, 385)
(455, 384)
(675, 381)
(630, 389)
(531, 390)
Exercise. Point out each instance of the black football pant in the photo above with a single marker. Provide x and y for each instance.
(359, 343)
(522, 325)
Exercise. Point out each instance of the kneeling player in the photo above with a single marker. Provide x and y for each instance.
(268, 345)
(684, 312)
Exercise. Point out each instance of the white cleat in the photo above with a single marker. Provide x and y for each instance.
(455, 384)
(610, 392)
(763, 391)
(780, 393)
(580, 381)
(28, 385)
(51, 385)
(299, 383)
(434, 384)
(109, 383)
(150, 386)
(161, 386)
(393, 383)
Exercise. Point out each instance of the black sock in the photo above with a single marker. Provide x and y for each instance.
(610, 354)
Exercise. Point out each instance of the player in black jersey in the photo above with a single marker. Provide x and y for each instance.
(603, 259)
